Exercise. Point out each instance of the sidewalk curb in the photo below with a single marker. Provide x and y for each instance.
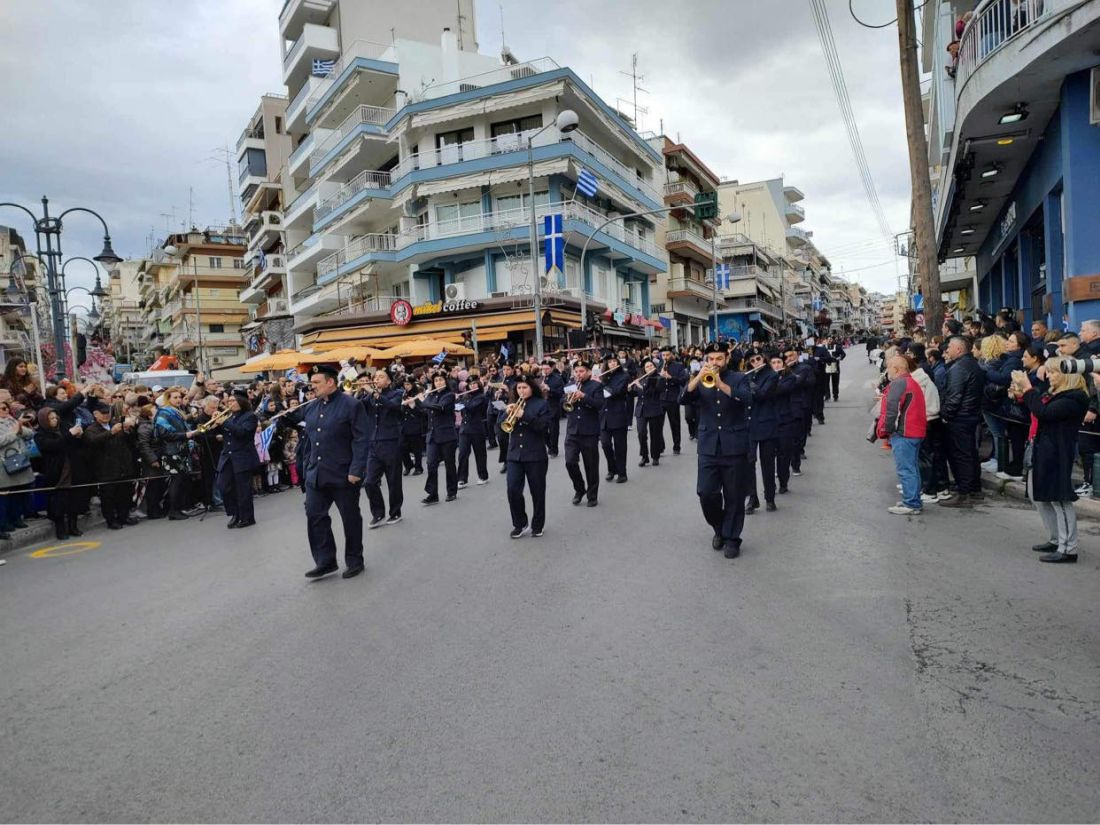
(41, 531)
(1087, 508)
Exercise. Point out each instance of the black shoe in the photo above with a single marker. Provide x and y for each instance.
(620, 480)
(783, 490)
(733, 549)
(427, 500)
(233, 522)
(407, 472)
(750, 507)
(178, 517)
(59, 531)
(317, 572)
(592, 503)
(716, 542)
(959, 500)
(113, 526)
(451, 496)
(518, 532)
(656, 462)
(536, 533)
(375, 522)
(418, 471)
(352, 572)
(578, 498)
(1059, 558)
(393, 520)
(131, 521)
(609, 477)
(18, 525)
(675, 450)
(821, 421)
(503, 469)
(771, 508)
(242, 524)
(1045, 547)
(643, 462)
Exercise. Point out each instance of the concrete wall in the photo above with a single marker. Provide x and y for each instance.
(421, 20)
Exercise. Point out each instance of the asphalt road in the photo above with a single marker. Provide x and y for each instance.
(850, 666)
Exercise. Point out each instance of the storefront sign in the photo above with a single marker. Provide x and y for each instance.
(401, 312)
(442, 307)
(619, 317)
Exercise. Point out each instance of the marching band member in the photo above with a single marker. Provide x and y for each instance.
(471, 433)
(582, 434)
(790, 420)
(238, 461)
(763, 429)
(496, 418)
(384, 417)
(614, 419)
(412, 433)
(335, 463)
(723, 447)
(675, 378)
(555, 388)
(439, 403)
(527, 457)
(801, 399)
(650, 390)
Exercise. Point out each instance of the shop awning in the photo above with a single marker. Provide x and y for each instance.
(483, 106)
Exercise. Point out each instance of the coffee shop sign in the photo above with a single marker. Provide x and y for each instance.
(436, 307)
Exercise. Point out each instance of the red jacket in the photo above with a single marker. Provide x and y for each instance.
(902, 411)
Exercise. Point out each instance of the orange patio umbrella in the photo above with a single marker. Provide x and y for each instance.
(424, 348)
(284, 359)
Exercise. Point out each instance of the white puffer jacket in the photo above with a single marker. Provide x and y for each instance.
(931, 394)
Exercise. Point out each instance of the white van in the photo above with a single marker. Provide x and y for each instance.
(160, 378)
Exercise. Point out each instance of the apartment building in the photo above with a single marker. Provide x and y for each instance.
(262, 151)
(122, 311)
(798, 280)
(189, 296)
(19, 268)
(409, 201)
(1015, 152)
(683, 295)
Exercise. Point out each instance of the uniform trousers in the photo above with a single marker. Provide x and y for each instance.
(444, 453)
(789, 453)
(553, 433)
(672, 411)
(614, 450)
(768, 451)
(236, 490)
(412, 452)
(834, 382)
(384, 459)
(820, 392)
(535, 474)
(502, 442)
(721, 484)
(691, 416)
(322, 544)
(651, 436)
(466, 443)
(584, 448)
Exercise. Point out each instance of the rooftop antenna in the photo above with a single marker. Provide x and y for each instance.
(169, 219)
(459, 16)
(635, 77)
(190, 207)
(503, 41)
(225, 156)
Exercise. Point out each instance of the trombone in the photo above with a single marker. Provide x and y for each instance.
(216, 420)
(509, 423)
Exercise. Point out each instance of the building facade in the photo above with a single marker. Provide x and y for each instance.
(20, 268)
(122, 313)
(1014, 145)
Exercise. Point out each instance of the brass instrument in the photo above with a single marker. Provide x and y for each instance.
(509, 423)
(710, 378)
(568, 405)
(215, 421)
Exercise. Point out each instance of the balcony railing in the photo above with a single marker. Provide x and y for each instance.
(459, 152)
(753, 303)
(299, 99)
(477, 81)
(298, 44)
(586, 144)
(294, 204)
(358, 49)
(303, 148)
(367, 179)
(250, 134)
(356, 248)
(691, 285)
(681, 187)
(994, 24)
(362, 306)
(310, 241)
(375, 115)
(686, 236)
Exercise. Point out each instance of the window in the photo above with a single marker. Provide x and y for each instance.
(449, 144)
(215, 263)
(278, 125)
(238, 263)
(216, 328)
(401, 289)
(506, 203)
(657, 308)
(511, 127)
(458, 217)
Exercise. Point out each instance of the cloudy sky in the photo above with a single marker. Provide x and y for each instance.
(124, 106)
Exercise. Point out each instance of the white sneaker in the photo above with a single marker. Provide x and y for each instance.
(796, 472)
(989, 466)
(1083, 489)
(898, 486)
(902, 510)
(461, 485)
(1009, 477)
(943, 495)
(482, 481)
(928, 498)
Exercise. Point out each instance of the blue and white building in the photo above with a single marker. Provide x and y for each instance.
(1014, 146)
(410, 185)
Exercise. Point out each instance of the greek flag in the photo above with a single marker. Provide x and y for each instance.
(266, 436)
(722, 276)
(262, 260)
(587, 183)
(322, 68)
(554, 246)
(439, 359)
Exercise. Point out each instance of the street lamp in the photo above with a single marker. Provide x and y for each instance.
(48, 229)
(566, 121)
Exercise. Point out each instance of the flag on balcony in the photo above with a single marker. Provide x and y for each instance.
(263, 261)
(587, 183)
(722, 276)
(322, 68)
(554, 245)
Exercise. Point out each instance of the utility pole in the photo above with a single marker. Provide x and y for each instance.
(928, 270)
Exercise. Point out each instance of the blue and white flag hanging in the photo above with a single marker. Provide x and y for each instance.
(554, 245)
(266, 436)
(722, 276)
(322, 68)
(262, 260)
(439, 359)
(587, 183)
(505, 351)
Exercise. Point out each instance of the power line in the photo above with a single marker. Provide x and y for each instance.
(852, 11)
(840, 89)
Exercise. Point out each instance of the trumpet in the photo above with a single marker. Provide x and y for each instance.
(509, 423)
(568, 405)
(215, 421)
(709, 379)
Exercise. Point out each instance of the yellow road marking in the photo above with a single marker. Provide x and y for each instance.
(64, 549)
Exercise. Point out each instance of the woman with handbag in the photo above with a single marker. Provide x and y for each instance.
(58, 446)
(16, 475)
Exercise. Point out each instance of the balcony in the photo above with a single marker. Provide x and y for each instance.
(366, 180)
(795, 213)
(680, 193)
(359, 247)
(366, 306)
(691, 288)
(296, 110)
(504, 74)
(299, 215)
(339, 84)
(363, 119)
(266, 229)
(296, 162)
(798, 236)
(690, 243)
(297, 13)
(792, 194)
(753, 305)
(251, 138)
(311, 250)
(315, 43)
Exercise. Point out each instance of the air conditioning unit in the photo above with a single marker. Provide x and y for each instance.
(277, 306)
(217, 361)
(454, 292)
(1094, 97)
(498, 294)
